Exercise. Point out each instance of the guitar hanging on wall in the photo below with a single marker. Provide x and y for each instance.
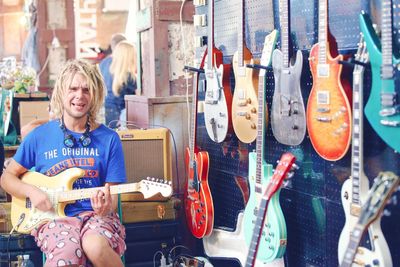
(383, 109)
(288, 118)
(244, 103)
(218, 97)
(328, 108)
(355, 189)
(385, 184)
(199, 208)
(264, 217)
(272, 245)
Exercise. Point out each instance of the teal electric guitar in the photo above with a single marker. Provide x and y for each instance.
(272, 244)
(382, 109)
(275, 236)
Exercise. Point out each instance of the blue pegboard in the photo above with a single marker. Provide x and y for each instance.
(311, 202)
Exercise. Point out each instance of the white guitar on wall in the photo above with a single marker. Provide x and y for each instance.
(355, 189)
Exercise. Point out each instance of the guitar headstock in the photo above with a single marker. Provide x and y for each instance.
(269, 46)
(362, 55)
(152, 186)
(385, 184)
(283, 170)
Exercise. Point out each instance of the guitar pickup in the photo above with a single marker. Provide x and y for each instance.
(388, 99)
(323, 110)
(387, 112)
(390, 123)
(241, 113)
(242, 103)
(324, 119)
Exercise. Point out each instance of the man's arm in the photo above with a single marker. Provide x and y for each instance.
(12, 184)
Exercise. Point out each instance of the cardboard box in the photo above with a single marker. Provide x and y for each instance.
(32, 110)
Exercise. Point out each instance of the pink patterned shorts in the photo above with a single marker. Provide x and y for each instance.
(60, 239)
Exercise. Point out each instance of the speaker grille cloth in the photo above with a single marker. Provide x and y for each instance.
(143, 158)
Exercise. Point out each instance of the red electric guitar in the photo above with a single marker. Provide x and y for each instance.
(218, 98)
(328, 108)
(199, 207)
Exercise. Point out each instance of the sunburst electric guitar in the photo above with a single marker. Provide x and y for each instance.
(199, 209)
(244, 103)
(218, 98)
(272, 244)
(382, 189)
(355, 189)
(284, 168)
(288, 116)
(24, 217)
(328, 108)
(383, 108)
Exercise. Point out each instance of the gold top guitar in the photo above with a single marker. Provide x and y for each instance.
(244, 103)
(24, 217)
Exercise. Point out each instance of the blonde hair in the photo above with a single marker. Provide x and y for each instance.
(95, 84)
(123, 65)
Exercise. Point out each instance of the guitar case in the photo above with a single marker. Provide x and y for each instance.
(150, 211)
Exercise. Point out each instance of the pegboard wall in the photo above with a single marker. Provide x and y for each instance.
(311, 203)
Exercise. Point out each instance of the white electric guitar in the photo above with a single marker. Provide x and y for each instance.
(355, 189)
(24, 217)
(218, 98)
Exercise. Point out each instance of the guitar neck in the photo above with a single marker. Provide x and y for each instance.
(193, 115)
(77, 194)
(355, 239)
(241, 40)
(210, 38)
(285, 31)
(258, 226)
(387, 71)
(260, 132)
(357, 164)
(322, 30)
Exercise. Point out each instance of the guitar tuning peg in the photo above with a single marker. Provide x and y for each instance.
(290, 175)
(295, 166)
(287, 183)
(169, 182)
(147, 178)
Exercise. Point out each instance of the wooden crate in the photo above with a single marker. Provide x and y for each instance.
(148, 211)
(5, 217)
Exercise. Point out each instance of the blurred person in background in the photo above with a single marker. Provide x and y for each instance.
(119, 72)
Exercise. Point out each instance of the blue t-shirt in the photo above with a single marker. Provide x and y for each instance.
(102, 160)
(129, 88)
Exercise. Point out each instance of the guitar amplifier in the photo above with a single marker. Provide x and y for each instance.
(147, 153)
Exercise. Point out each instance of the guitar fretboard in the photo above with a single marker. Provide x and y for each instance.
(357, 166)
(88, 192)
(210, 37)
(240, 40)
(322, 30)
(386, 40)
(255, 238)
(284, 8)
(260, 133)
(355, 239)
